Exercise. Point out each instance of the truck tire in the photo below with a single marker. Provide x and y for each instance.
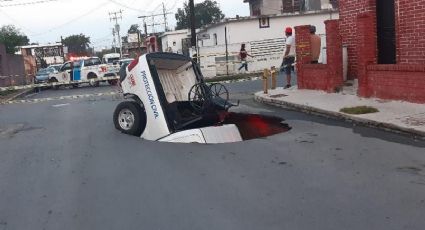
(130, 118)
(113, 82)
(92, 77)
(54, 80)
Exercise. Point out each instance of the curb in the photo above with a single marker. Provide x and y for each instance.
(341, 116)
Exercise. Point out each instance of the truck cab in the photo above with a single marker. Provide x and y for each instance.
(169, 101)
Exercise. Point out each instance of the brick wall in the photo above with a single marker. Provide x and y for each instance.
(411, 32)
(348, 12)
(11, 65)
(327, 77)
(397, 82)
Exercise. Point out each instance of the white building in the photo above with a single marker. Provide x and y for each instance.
(173, 41)
(271, 7)
(51, 53)
(264, 38)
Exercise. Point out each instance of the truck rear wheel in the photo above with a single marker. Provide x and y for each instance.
(130, 118)
(93, 81)
(113, 82)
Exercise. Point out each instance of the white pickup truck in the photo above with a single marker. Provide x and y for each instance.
(84, 70)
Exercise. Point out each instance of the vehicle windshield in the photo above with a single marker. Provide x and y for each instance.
(92, 62)
(112, 60)
(56, 67)
(42, 71)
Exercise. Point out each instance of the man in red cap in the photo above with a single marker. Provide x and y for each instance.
(289, 56)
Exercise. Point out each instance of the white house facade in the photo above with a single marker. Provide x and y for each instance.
(264, 38)
(173, 41)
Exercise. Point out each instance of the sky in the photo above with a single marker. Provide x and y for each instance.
(45, 21)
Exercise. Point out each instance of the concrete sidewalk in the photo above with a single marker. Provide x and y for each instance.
(398, 116)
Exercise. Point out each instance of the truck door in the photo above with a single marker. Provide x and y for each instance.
(76, 72)
(65, 73)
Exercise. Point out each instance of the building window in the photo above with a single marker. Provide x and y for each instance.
(264, 22)
(215, 39)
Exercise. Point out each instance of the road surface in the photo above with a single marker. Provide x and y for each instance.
(64, 166)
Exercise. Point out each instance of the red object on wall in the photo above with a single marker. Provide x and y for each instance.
(152, 44)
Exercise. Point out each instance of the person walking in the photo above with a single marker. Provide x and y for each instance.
(243, 55)
(316, 43)
(289, 56)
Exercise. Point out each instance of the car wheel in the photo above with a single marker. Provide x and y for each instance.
(113, 82)
(54, 80)
(130, 118)
(94, 83)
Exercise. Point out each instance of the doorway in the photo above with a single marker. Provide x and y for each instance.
(385, 20)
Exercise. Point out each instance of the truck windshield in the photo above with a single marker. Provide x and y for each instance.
(92, 62)
(112, 60)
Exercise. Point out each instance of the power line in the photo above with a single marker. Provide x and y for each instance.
(89, 12)
(126, 6)
(27, 3)
(153, 24)
(16, 21)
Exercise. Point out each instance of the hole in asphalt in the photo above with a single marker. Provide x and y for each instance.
(255, 126)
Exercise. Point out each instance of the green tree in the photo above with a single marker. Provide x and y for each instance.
(206, 12)
(77, 44)
(12, 37)
(134, 29)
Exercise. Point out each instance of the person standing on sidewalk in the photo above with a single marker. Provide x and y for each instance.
(316, 43)
(289, 56)
(243, 56)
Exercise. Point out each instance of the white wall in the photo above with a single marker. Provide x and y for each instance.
(267, 44)
(168, 39)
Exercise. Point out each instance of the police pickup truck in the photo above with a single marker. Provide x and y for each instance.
(84, 70)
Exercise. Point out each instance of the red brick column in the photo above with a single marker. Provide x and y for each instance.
(334, 55)
(366, 50)
(303, 49)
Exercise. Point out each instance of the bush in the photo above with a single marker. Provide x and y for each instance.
(359, 110)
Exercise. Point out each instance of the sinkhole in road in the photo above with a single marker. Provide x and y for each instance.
(255, 126)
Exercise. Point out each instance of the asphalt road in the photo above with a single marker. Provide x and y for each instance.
(64, 166)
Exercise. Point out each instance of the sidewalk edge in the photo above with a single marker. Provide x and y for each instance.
(341, 116)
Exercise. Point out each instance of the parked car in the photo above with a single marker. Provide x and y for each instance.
(54, 68)
(41, 76)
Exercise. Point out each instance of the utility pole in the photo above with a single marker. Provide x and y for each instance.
(114, 16)
(164, 11)
(114, 42)
(192, 23)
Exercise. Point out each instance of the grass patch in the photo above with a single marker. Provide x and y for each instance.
(6, 93)
(359, 110)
